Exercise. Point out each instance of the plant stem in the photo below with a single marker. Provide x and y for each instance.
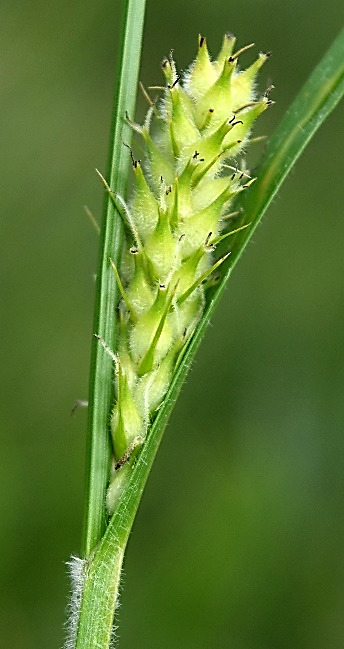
(101, 388)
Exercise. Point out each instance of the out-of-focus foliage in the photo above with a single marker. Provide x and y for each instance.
(255, 445)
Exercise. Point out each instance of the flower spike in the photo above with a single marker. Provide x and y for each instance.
(174, 220)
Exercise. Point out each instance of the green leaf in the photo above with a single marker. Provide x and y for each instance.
(101, 383)
(313, 104)
(315, 101)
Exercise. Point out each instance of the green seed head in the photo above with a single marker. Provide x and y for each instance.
(175, 219)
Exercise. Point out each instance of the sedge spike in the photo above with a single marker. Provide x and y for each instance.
(177, 215)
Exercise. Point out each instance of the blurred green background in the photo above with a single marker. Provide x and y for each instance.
(239, 539)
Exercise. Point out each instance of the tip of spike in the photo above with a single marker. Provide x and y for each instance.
(242, 50)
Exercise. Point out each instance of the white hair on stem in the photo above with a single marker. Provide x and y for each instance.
(77, 569)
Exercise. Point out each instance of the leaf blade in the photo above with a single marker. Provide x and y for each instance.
(104, 570)
(101, 389)
(309, 115)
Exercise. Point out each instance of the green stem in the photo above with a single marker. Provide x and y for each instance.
(101, 390)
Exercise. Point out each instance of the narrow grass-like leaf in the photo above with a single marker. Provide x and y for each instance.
(315, 101)
(318, 97)
(101, 384)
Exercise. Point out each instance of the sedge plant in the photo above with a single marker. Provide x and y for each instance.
(167, 252)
